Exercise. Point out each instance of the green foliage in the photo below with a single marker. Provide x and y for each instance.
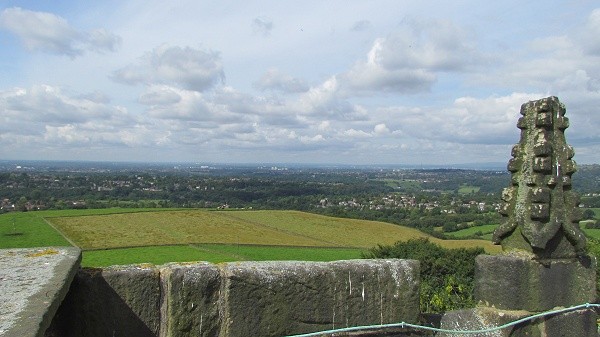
(593, 247)
(589, 214)
(447, 275)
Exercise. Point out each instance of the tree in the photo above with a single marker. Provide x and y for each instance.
(21, 204)
(588, 214)
(447, 275)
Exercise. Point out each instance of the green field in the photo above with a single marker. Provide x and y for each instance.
(484, 232)
(123, 236)
(468, 189)
(22, 230)
(214, 253)
(403, 184)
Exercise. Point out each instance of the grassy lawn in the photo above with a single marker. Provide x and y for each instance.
(267, 253)
(405, 185)
(270, 228)
(154, 254)
(214, 253)
(124, 236)
(174, 228)
(468, 189)
(29, 229)
(467, 232)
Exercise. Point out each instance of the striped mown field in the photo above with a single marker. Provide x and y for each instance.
(119, 236)
(271, 228)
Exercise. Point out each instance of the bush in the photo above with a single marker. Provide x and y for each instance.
(593, 248)
(592, 225)
(447, 275)
(588, 214)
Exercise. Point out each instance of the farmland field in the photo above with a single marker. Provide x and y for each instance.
(484, 231)
(467, 189)
(118, 236)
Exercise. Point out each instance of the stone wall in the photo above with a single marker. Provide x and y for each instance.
(238, 299)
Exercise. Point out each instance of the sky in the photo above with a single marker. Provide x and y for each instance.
(321, 82)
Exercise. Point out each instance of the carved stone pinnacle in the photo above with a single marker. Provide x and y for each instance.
(540, 211)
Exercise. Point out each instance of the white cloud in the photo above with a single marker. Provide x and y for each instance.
(362, 86)
(351, 133)
(41, 31)
(274, 79)
(160, 95)
(46, 116)
(591, 42)
(409, 59)
(361, 25)
(101, 40)
(262, 25)
(193, 69)
(381, 129)
(313, 139)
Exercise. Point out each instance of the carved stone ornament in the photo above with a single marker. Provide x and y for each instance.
(539, 210)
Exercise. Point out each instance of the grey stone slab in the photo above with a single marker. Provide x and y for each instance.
(282, 298)
(580, 323)
(190, 300)
(33, 283)
(521, 283)
(117, 301)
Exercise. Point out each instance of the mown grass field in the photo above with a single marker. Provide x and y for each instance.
(485, 232)
(468, 189)
(122, 236)
(275, 228)
(215, 253)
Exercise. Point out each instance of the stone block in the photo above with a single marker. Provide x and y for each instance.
(33, 283)
(118, 301)
(521, 283)
(190, 300)
(580, 323)
(282, 298)
(480, 319)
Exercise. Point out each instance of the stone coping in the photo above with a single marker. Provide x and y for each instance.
(33, 283)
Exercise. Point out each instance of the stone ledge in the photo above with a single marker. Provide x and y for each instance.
(520, 283)
(33, 283)
(239, 299)
(580, 323)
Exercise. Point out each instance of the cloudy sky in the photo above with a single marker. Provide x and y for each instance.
(337, 82)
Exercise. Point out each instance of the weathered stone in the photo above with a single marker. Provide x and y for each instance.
(540, 216)
(281, 298)
(115, 301)
(580, 323)
(33, 283)
(481, 318)
(520, 283)
(190, 300)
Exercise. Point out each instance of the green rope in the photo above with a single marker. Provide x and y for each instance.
(421, 327)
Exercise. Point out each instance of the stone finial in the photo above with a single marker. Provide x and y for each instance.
(540, 211)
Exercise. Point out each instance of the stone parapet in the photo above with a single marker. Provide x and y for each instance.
(116, 301)
(580, 323)
(281, 298)
(521, 283)
(33, 283)
(239, 299)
